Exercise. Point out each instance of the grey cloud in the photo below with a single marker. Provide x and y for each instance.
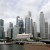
(9, 9)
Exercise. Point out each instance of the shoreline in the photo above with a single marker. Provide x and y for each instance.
(37, 47)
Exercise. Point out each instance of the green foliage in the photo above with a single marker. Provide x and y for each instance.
(35, 39)
(8, 39)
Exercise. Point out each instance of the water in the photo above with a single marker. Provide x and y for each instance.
(11, 47)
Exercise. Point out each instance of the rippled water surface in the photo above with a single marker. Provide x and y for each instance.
(11, 47)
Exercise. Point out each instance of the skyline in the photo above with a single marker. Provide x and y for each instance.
(9, 9)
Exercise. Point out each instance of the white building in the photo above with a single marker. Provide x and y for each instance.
(35, 29)
(42, 25)
(23, 36)
(5, 33)
(15, 31)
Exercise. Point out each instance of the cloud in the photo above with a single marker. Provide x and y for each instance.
(9, 9)
(46, 10)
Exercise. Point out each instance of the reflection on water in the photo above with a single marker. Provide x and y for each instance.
(11, 47)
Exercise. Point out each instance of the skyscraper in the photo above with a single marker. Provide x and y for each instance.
(29, 13)
(35, 29)
(32, 28)
(2, 28)
(21, 26)
(46, 30)
(10, 24)
(20, 23)
(42, 25)
(10, 30)
(17, 20)
(28, 23)
(49, 32)
(15, 31)
(16, 28)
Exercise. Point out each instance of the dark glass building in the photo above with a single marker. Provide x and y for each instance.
(21, 27)
(2, 34)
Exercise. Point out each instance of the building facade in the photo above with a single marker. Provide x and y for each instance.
(10, 30)
(15, 31)
(2, 34)
(27, 25)
(46, 29)
(42, 25)
(17, 20)
(49, 32)
(20, 23)
(23, 36)
(21, 27)
(35, 29)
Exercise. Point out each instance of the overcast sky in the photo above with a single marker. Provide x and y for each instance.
(9, 9)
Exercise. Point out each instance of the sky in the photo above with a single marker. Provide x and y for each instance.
(10, 9)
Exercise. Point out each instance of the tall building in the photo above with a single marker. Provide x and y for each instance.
(32, 29)
(31, 21)
(15, 31)
(31, 25)
(46, 29)
(2, 28)
(16, 28)
(21, 26)
(10, 30)
(17, 20)
(49, 32)
(42, 25)
(28, 23)
(20, 23)
(35, 30)
(29, 13)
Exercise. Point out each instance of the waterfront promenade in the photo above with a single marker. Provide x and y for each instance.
(36, 47)
(29, 45)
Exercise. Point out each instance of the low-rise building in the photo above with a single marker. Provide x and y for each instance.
(23, 36)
